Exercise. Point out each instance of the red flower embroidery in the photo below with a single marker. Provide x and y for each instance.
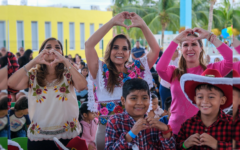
(118, 109)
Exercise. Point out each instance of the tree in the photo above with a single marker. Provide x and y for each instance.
(160, 17)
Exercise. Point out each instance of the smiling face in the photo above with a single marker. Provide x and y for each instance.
(209, 101)
(191, 50)
(84, 72)
(52, 44)
(154, 103)
(120, 52)
(136, 103)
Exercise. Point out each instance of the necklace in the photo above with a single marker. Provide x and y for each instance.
(51, 84)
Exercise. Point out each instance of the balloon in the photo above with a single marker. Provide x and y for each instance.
(230, 31)
(224, 33)
(235, 32)
(216, 32)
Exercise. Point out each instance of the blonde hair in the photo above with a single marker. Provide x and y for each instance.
(113, 72)
(182, 66)
(42, 71)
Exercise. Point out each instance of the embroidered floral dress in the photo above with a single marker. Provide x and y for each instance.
(53, 110)
(109, 104)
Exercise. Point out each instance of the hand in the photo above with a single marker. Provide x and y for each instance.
(183, 36)
(59, 58)
(208, 140)
(140, 125)
(119, 19)
(236, 42)
(192, 140)
(155, 123)
(136, 20)
(151, 114)
(91, 146)
(40, 58)
(203, 34)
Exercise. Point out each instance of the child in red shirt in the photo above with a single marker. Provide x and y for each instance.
(210, 128)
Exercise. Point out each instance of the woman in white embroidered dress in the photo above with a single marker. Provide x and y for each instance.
(53, 107)
(110, 74)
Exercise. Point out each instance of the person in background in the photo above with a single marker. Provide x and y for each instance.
(3, 51)
(167, 106)
(208, 59)
(164, 89)
(83, 95)
(19, 118)
(21, 51)
(70, 56)
(88, 122)
(231, 46)
(157, 111)
(235, 59)
(4, 118)
(137, 52)
(216, 60)
(18, 55)
(77, 61)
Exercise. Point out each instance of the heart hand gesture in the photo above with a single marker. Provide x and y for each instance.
(58, 57)
(183, 36)
(137, 21)
(203, 34)
(119, 19)
(40, 58)
(193, 140)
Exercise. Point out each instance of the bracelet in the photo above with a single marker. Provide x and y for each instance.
(132, 134)
(25, 69)
(183, 146)
(169, 130)
(210, 35)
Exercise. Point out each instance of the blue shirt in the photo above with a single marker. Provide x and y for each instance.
(138, 52)
(164, 119)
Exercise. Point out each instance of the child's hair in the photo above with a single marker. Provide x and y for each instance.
(4, 103)
(21, 104)
(18, 54)
(167, 103)
(153, 96)
(134, 84)
(209, 87)
(83, 64)
(238, 90)
(83, 109)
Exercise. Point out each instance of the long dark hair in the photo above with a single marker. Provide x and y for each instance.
(23, 60)
(3, 61)
(21, 104)
(113, 72)
(42, 68)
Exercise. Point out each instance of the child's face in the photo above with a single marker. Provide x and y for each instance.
(154, 103)
(84, 72)
(25, 111)
(3, 113)
(236, 101)
(209, 101)
(136, 103)
(90, 115)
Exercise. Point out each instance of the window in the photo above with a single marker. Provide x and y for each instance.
(91, 29)
(72, 36)
(20, 36)
(34, 35)
(82, 35)
(60, 32)
(2, 34)
(101, 42)
(47, 30)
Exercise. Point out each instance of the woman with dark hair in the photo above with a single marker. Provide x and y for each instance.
(52, 102)
(191, 61)
(27, 56)
(110, 74)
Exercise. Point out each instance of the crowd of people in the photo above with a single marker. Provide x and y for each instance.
(116, 103)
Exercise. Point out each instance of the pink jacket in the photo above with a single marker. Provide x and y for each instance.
(89, 131)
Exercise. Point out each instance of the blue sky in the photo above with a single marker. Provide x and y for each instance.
(84, 4)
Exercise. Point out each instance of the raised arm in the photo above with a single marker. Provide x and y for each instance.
(165, 71)
(152, 56)
(236, 45)
(3, 78)
(19, 80)
(90, 52)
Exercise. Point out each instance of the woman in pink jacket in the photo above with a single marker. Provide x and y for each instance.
(191, 61)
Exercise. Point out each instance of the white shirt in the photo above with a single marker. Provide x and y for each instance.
(172, 63)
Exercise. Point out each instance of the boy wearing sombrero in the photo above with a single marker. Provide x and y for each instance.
(236, 111)
(210, 128)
